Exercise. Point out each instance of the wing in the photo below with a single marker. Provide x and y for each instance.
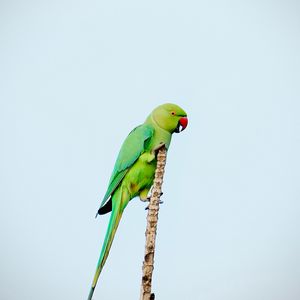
(132, 148)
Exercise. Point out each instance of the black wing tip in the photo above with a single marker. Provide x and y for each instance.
(91, 293)
(106, 208)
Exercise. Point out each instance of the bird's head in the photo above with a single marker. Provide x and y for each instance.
(170, 117)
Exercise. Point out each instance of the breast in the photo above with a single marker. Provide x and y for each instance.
(141, 174)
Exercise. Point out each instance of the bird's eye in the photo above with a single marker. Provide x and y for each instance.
(173, 113)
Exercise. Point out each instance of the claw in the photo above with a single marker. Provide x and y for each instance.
(160, 202)
(148, 199)
(145, 200)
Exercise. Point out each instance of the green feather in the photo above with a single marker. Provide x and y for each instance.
(134, 170)
(120, 200)
(130, 151)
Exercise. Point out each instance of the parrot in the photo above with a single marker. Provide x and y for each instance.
(134, 169)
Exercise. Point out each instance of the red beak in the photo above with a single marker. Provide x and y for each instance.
(183, 122)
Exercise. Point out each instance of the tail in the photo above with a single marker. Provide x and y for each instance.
(118, 206)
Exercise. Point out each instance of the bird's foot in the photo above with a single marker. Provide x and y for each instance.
(149, 197)
(145, 199)
(160, 202)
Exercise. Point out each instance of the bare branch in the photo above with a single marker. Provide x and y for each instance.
(152, 219)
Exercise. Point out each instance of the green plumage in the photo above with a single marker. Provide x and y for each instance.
(134, 169)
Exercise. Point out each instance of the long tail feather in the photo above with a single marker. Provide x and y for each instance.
(116, 214)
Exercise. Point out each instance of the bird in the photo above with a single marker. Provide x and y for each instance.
(134, 169)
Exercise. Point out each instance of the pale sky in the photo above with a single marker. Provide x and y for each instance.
(77, 76)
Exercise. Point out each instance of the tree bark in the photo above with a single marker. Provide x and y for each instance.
(152, 218)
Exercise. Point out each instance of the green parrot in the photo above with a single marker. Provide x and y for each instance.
(134, 169)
